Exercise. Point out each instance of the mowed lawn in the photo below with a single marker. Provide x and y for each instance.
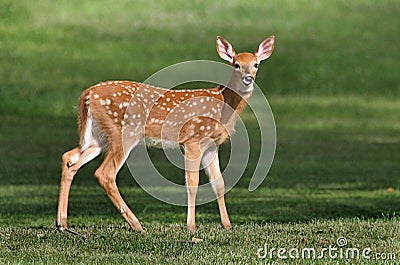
(333, 86)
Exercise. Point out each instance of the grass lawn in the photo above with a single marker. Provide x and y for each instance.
(333, 86)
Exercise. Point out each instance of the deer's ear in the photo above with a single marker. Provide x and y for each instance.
(225, 49)
(265, 49)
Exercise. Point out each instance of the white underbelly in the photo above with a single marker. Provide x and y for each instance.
(160, 143)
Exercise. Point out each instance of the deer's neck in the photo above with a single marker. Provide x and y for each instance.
(234, 105)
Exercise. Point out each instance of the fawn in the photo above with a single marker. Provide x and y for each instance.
(115, 116)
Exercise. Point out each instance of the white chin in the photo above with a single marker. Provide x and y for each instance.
(247, 88)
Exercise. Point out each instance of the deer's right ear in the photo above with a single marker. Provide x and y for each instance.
(265, 49)
(225, 49)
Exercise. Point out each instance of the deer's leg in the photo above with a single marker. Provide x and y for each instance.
(71, 162)
(210, 163)
(106, 176)
(192, 163)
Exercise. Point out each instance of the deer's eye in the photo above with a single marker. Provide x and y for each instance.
(256, 65)
(237, 66)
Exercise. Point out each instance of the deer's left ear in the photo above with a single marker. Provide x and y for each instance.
(265, 49)
(225, 49)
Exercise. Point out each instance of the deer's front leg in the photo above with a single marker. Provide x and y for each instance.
(192, 182)
(192, 164)
(211, 165)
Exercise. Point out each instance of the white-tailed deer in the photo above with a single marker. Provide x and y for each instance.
(114, 116)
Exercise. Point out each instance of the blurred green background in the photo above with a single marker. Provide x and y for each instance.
(51, 50)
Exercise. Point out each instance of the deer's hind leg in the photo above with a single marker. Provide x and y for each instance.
(71, 162)
(106, 176)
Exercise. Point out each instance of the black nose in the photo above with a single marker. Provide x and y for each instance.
(247, 80)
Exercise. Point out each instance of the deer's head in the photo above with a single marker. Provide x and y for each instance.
(245, 64)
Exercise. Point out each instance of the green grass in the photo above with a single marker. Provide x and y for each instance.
(324, 184)
(333, 86)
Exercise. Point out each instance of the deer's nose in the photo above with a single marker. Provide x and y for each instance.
(248, 79)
